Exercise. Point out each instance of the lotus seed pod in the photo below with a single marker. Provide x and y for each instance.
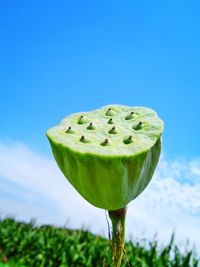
(109, 155)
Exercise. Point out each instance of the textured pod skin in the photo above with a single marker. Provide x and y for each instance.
(108, 176)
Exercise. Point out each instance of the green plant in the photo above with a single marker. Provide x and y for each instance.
(109, 156)
(29, 245)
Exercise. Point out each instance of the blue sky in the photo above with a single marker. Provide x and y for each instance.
(68, 56)
(60, 57)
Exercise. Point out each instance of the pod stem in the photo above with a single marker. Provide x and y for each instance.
(117, 218)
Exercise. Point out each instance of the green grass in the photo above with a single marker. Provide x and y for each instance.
(26, 245)
(11, 264)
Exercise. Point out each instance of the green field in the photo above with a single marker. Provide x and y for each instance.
(26, 245)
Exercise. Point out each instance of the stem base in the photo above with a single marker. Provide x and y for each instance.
(117, 218)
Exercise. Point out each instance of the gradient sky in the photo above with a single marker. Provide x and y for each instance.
(67, 56)
(60, 57)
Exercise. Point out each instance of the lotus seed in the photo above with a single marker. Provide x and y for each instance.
(69, 130)
(82, 139)
(81, 120)
(105, 142)
(138, 126)
(112, 130)
(130, 116)
(109, 112)
(91, 126)
(128, 140)
(110, 121)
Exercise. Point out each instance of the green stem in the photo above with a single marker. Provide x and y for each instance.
(118, 234)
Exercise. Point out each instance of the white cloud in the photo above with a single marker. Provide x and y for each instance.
(32, 186)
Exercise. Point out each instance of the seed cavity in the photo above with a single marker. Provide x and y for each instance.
(128, 140)
(81, 120)
(130, 116)
(105, 142)
(69, 130)
(138, 126)
(109, 112)
(91, 126)
(112, 130)
(110, 121)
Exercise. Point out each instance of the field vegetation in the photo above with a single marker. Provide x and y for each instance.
(26, 245)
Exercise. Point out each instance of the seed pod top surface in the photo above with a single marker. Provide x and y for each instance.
(114, 130)
(109, 154)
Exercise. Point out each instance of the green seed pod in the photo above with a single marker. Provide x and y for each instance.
(108, 170)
